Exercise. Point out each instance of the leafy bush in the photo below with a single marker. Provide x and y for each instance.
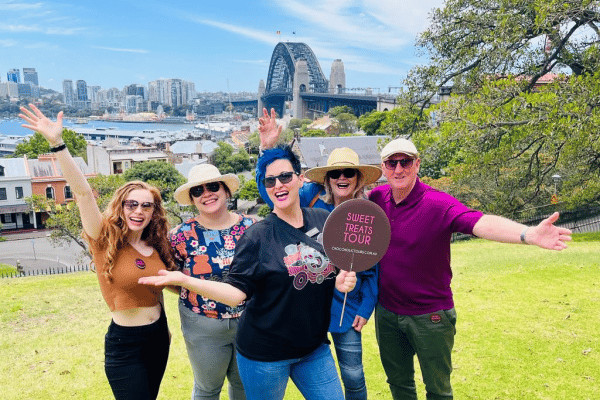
(264, 210)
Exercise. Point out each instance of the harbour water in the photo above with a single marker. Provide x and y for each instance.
(13, 126)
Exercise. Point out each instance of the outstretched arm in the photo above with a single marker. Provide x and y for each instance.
(52, 131)
(219, 291)
(268, 130)
(545, 235)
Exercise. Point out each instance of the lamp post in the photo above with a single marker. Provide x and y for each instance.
(556, 178)
(554, 199)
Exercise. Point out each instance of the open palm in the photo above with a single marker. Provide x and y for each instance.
(37, 121)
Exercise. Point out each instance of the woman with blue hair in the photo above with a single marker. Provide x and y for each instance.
(342, 178)
(281, 270)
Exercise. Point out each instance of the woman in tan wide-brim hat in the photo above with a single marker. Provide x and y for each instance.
(334, 176)
(342, 178)
(204, 247)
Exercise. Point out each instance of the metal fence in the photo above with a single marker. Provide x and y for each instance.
(580, 220)
(46, 271)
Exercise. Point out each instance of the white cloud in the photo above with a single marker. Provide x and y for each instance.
(38, 29)
(258, 35)
(258, 62)
(142, 51)
(14, 6)
(7, 43)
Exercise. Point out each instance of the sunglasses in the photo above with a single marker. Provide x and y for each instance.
(404, 163)
(197, 191)
(284, 177)
(132, 205)
(336, 173)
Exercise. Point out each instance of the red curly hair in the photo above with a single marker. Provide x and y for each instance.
(113, 234)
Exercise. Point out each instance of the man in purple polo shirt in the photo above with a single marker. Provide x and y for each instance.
(415, 314)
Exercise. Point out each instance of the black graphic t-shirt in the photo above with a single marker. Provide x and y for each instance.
(289, 283)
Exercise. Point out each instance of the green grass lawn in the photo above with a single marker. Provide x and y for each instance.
(528, 328)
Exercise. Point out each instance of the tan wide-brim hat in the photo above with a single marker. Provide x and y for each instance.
(342, 158)
(201, 174)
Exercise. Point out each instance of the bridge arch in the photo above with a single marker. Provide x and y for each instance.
(280, 80)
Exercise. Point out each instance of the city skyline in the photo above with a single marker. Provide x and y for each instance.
(224, 47)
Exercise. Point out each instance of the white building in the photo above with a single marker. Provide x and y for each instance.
(15, 185)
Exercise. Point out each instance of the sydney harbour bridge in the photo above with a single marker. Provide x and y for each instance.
(296, 76)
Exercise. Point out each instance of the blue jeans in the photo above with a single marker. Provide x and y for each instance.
(348, 348)
(314, 375)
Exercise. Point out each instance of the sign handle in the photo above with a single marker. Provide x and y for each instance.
(346, 294)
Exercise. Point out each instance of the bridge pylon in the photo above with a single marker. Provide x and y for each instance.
(301, 83)
(261, 91)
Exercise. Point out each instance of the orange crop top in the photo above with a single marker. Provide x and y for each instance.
(125, 292)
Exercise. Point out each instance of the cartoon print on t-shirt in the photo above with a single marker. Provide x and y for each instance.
(306, 264)
(212, 236)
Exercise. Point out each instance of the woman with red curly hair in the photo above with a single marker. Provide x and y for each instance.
(127, 241)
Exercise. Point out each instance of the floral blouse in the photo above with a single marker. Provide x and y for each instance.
(206, 254)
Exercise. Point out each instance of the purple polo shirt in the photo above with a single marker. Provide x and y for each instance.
(415, 273)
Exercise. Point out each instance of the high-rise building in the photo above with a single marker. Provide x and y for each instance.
(9, 89)
(28, 90)
(30, 75)
(157, 91)
(82, 94)
(176, 92)
(68, 92)
(13, 75)
(135, 90)
(93, 96)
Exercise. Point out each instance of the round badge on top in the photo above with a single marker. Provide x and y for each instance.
(356, 235)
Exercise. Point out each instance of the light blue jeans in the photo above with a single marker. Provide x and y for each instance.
(348, 348)
(210, 345)
(314, 375)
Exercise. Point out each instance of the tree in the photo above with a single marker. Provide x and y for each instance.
(335, 111)
(506, 131)
(315, 133)
(253, 144)
(161, 174)
(228, 162)
(371, 122)
(346, 123)
(249, 190)
(37, 145)
(298, 123)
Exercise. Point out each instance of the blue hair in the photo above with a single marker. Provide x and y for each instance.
(281, 152)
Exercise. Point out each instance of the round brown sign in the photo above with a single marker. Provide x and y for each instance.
(356, 235)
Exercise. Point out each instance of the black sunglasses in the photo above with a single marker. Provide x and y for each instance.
(284, 177)
(132, 205)
(197, 191)
(404, 163)
(336, 173)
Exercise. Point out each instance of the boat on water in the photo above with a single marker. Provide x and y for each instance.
(81, 121)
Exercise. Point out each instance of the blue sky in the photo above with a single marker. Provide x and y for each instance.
(116, 43)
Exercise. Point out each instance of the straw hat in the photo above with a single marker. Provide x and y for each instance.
(342, 158)
(201, 174)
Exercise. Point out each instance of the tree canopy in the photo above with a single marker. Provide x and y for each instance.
(37, 145)
(524, 106)
(161, 174)
(228, 161)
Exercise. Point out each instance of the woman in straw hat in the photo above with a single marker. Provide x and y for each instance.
(282, 270)
(342, 178)
(204, 247)
(127, 241)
